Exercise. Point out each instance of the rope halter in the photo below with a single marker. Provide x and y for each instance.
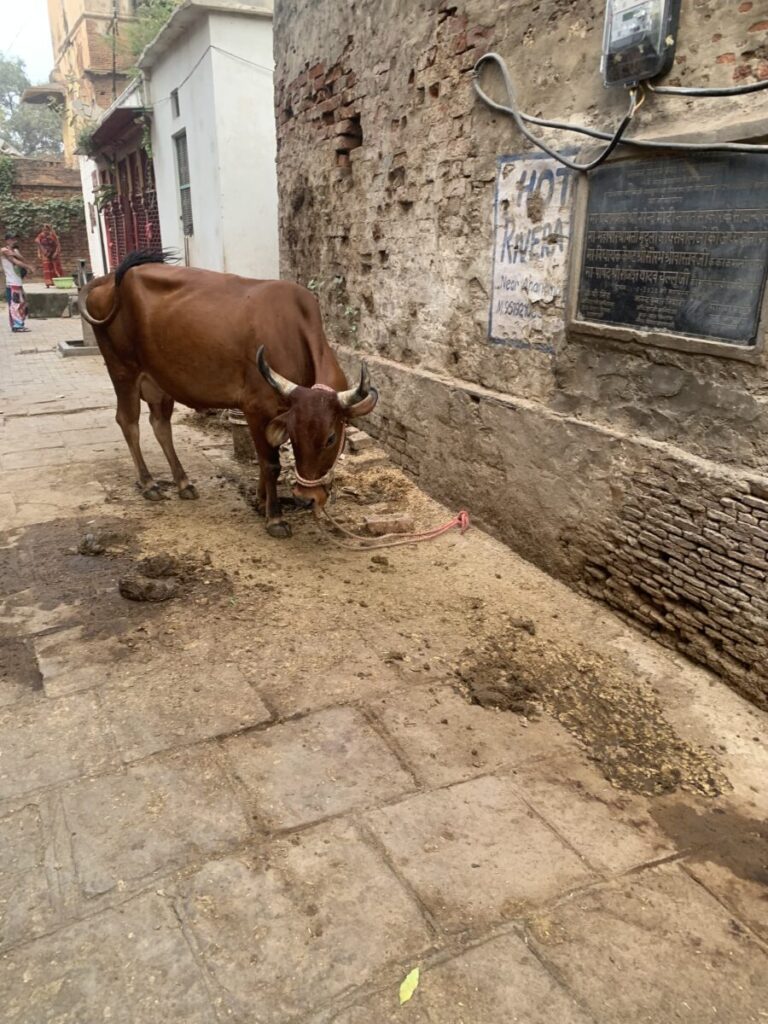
(327, 478)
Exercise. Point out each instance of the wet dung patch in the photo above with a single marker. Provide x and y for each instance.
(18, 666)
(720, 835)
(618, 719)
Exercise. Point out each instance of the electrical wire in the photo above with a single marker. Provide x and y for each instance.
(728, 90)
(520, 118)
(199, 61)
(511, 109)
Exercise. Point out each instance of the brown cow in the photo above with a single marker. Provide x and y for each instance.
(201, 338)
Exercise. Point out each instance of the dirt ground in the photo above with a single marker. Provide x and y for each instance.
(291, 773)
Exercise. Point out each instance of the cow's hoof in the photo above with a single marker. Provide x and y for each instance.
(278, 529)
(152, 493)
(188, 493)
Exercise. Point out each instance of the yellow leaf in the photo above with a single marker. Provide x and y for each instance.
(409, 985)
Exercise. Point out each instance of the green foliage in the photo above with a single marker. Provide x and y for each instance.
(103, 195)
(27, 216)
(84, 139)
(34, 131)
(151, 15)
(13, 82)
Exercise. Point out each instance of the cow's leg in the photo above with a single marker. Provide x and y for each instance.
(128, 411)
(160, 412)
(269, 471)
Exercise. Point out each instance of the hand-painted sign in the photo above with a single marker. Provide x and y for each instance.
(532, 227)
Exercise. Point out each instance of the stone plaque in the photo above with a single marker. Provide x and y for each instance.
(678, 245)
(532, 226)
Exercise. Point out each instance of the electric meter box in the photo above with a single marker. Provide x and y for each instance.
(639, 40)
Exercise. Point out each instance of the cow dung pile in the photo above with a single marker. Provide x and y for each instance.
(617, 718)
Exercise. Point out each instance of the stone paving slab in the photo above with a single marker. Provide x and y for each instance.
(652, 949)
(328, 763)
(167, 710)
(445, 739)
(475, 853)
(25, 902)
(40, 458)
(330, 675)
(498, 982)
(45, 743)
(21, 840)
(748, 897)
(610, 828)
(123, 967)
(154, 816)
(320, 914)
(25, 906)
(98, 661)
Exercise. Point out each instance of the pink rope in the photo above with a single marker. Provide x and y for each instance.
(393, 540)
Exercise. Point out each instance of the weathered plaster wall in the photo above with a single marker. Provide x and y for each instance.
(387, 168)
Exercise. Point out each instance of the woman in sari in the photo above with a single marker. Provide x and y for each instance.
(49, 251)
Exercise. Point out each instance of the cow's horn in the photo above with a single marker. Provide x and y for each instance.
(282, 385)
(349, 398)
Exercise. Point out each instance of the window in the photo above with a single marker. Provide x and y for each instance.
(175, 102)
(185, 196)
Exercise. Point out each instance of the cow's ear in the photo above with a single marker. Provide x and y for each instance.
(277, 430)
(367, 405)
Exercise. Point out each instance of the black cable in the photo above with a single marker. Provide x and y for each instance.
(617, 138)
(520, 118)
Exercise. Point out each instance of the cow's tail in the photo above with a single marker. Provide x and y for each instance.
(82, 305)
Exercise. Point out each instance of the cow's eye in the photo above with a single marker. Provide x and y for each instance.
(331, 440)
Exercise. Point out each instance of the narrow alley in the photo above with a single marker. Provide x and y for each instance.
(310, 771)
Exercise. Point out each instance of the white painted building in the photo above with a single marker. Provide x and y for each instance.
(208, 83)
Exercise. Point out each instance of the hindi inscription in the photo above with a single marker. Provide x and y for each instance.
(678, 245)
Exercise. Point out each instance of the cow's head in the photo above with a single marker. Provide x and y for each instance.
(315, 422)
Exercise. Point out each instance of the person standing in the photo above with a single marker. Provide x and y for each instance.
(49, 252)
(15, 269)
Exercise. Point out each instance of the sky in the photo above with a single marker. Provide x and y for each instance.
(24, 33)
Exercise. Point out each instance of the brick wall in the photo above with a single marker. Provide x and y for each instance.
(50, 179)
(687, 556)
(387, 168)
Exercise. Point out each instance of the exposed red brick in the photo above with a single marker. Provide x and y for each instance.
(316, 69)
(746, 6)
(742, 72)
(460, 43)
(332, 103)
(726, 58)
(759, 26)
(762, 70)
